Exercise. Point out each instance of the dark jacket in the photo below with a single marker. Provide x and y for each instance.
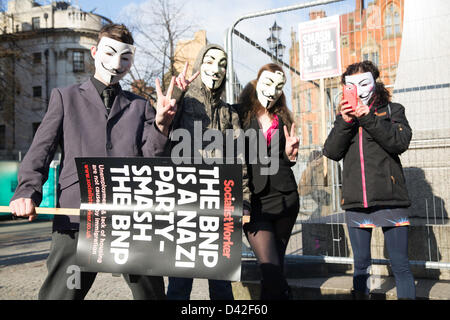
(370, 147)
(206, 106)
(78, 122)
(283, 180)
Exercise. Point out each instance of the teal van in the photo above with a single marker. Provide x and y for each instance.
(8, 184)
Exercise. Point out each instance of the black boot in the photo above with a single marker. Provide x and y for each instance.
(273, 285)
(359, 295)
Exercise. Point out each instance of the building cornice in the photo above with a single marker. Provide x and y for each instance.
(45, 32)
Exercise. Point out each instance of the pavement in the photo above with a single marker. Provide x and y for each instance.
(24, 248)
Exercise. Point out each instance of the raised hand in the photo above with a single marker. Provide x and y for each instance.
(165, 107)
(292, 143)
(181, 80)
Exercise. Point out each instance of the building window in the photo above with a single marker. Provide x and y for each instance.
(392, 21)
(308, 100)
(310, 133)
(344, 40)
(36, 23)
(78, 61)
(2, 137)
(371, 56)
(37, 92)
(37, 57)
(334, 98)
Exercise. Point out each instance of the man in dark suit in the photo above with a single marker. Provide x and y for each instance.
(83, 125)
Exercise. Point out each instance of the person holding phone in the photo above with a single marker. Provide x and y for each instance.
(370, 137)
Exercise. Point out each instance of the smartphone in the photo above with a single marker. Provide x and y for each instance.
(351, 95)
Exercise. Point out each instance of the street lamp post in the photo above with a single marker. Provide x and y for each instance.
(274, 43)
(229, 39)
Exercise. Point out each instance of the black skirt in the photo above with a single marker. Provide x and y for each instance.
(274, 202)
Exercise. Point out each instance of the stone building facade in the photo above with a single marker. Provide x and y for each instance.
(41, 47)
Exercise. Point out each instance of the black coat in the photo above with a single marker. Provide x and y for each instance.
(370, 147)
(283, 180)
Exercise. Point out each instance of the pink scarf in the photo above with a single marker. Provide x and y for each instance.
(268, 134)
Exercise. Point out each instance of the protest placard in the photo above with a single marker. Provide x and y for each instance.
(150, 216)
(319, 42)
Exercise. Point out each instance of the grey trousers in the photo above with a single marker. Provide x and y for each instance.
(65, 281)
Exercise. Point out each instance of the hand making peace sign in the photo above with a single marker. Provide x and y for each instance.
(181, 80)
(292, 143)
(165, 107)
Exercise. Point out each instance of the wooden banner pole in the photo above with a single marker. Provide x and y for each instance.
(76, 212)
(54, 211)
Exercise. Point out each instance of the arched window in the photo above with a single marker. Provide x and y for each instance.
(392, 21)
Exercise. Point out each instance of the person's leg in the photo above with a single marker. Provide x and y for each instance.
(283, 230)
(146, 287)
(360, 241)
(65, 281)
(396, 239)
(179, 288)
(262, 239)
(220, 290)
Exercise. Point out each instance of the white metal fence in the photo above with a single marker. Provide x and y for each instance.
(409, 42)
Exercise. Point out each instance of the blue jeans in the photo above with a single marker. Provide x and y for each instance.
(180, 289)
(396, 239)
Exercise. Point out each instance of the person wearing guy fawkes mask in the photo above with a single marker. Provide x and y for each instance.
(202, 103)
(93, 119)
(274, 196)
(370, 137)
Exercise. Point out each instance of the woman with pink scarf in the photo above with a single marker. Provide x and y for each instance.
(274, 199)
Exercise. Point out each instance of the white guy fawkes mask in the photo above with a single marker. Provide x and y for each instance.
(113, 59)
(270, 87)
(365, 85)
(213, 68)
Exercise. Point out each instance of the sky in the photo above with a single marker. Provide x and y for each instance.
(216, 16)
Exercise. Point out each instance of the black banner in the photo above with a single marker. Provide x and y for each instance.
(150, 216)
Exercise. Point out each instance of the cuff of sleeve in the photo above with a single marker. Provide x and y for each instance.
(351, 122)
(35, 196)
(291, 162)
(366, 119)
(178, 94)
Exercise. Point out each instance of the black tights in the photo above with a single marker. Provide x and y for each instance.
(269, 238)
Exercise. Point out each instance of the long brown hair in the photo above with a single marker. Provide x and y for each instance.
(250, 104)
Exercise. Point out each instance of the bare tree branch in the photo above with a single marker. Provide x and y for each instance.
(157, 30)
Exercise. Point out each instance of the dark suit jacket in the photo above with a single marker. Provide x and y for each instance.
(284, 179)
(77, 121)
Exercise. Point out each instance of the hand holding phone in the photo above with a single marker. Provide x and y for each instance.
(351, 95)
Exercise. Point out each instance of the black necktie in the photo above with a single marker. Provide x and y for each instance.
(108, 98)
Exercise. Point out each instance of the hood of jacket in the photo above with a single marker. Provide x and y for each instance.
(197, 88)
